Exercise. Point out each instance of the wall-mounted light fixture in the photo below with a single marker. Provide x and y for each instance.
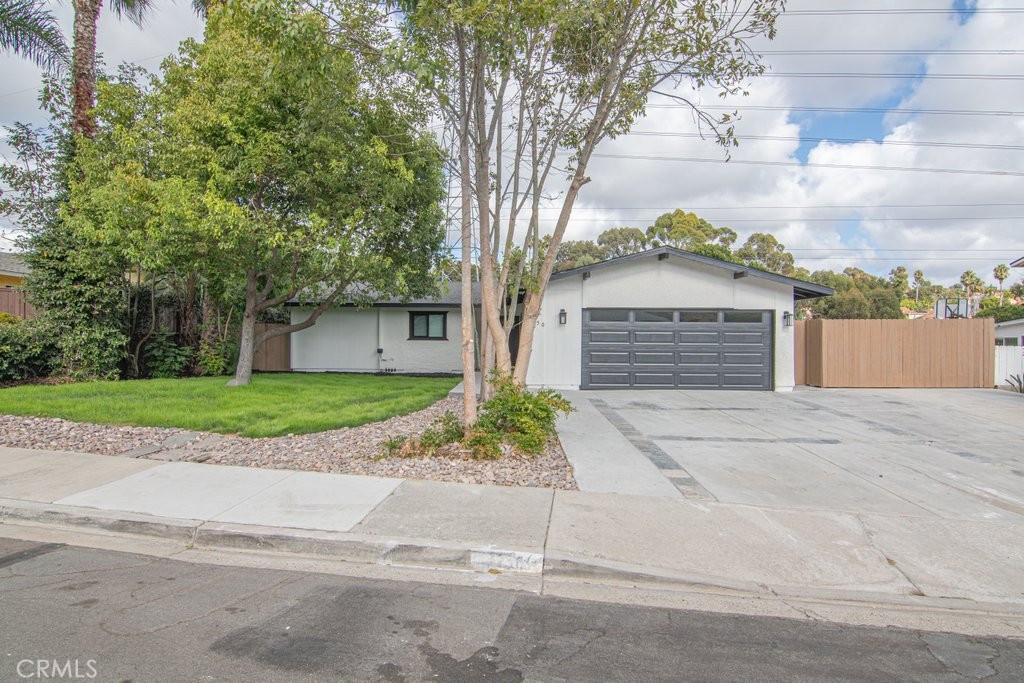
(787, 319)
(562, 317)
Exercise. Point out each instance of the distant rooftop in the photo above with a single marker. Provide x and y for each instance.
(12, 264)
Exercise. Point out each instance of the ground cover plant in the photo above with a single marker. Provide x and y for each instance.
(273, 405)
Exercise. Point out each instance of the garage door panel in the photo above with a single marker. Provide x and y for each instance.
(690, 338)
(654, 358)
(626, 350)
(609, 336)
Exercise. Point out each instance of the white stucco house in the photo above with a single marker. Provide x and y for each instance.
(661, 319)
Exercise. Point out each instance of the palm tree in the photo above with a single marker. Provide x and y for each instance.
(28, 30)
(1001, 272)
(83, 63)
(918, 281)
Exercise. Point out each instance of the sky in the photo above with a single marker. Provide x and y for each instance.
(832, 186)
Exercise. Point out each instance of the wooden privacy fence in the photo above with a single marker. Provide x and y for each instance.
(275, 354)
(895, 353)
(14, 301)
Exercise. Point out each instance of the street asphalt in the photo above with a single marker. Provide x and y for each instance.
(129, 617)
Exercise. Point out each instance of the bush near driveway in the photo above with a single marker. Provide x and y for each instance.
(273, 405)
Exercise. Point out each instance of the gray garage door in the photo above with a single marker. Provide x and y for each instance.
(676, 349)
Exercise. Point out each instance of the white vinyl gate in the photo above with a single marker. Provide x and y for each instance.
(1009, 361)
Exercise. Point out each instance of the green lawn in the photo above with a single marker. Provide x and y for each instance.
(272, 405)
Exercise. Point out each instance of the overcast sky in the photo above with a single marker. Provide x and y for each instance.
(942, 222)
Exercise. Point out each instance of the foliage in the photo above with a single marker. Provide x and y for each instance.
(261, 156)
(273, 405)
(484, 444)
(577, 253)
(446, 429)
(1003, 314)
(1016, 383)
(763, 250)
(27, 350)
(718, 251)
(520, 417)
(8, 319)
(28, 29)
(216, 357)
(622, 241)
(686, 230)
(858, 295)
(164, 357)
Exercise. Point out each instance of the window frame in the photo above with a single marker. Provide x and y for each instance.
(444, 326)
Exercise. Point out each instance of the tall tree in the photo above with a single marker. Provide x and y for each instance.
(971, 283)
(763, 250)
(1001, 272)
(622, 241)
(686, 230)
(576, 253)
(538, 79)
(263, 155)
(918, 283)
(899, 278)
(30, 30)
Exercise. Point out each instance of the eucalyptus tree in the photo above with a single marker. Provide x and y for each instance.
(30, 30)
(531, 90)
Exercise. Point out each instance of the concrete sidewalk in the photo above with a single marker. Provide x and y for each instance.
(746, 552)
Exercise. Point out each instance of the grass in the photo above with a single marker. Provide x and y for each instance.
(273, 405)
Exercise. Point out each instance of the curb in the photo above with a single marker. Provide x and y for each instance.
(342, 546)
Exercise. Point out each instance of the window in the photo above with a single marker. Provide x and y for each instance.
(609, 315)
(698, 316)
(653, 316)
(1008, 341)
(428, 325)
(742, 317)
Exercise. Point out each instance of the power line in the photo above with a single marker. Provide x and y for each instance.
(780, 138)
(754, 162)
(848, 110)
(797, 219)
(1008, 53)
(927, 251)
(779, 206)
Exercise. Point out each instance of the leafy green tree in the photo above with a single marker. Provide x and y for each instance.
(858, 295)
(685, 230)
(30, 30)
(763, 250)
(971, 283)
(261, 155)
(576, 253)
(919, 282)
(622, 241)
(1001, 272)
(899, 279)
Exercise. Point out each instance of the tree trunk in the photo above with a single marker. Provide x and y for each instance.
(83, 67)
(469, 398)
(247, 342)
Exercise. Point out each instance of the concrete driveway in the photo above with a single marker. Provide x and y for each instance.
(909, 452)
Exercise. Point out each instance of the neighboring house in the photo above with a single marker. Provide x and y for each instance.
(1019, 263)
(1009, 351)
(12, 269)
(660, 319)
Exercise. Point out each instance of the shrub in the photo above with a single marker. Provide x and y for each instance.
(8, 319)
(1016, 383)
(27, 349)
(164, 358)
(445, 430)
(216, 357)
(1003, 314)
(520, 417)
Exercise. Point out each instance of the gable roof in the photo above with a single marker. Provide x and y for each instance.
(12, 264)
(801, 288)
(1019, 263)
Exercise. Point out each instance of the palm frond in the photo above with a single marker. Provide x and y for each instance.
(29, 30)
(137, 11)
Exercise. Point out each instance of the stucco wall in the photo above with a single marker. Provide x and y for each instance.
(649, 283)
(346, 340)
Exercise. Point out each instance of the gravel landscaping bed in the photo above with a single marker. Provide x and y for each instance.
(348, 451)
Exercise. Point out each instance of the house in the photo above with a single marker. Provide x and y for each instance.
(660, 319)
(12, 269)
(418, 336)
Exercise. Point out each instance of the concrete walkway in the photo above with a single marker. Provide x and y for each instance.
(966, 566)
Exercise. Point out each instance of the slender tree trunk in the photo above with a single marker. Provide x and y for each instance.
(469, 398)
(247, 342)
(83, 67)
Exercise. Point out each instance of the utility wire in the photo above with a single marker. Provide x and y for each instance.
(845, 110)
(796, 219)
(1008, 53)
(779, 206)
(887, 143)
(930, 76)
(755, 162)
(902, 10)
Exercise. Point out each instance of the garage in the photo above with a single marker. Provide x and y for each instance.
(668, 319)
(676, 348)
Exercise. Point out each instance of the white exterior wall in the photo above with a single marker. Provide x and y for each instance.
(1009, 359)
(346, 340)
(649, 283)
